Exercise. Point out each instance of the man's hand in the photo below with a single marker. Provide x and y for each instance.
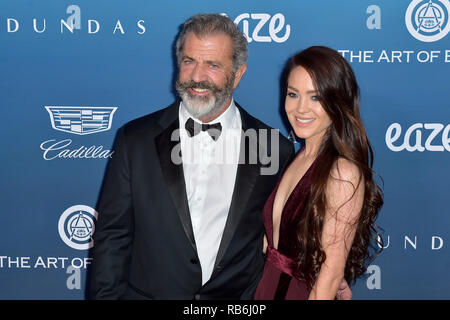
(344, 292)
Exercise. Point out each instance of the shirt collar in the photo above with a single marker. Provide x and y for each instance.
(226, 119)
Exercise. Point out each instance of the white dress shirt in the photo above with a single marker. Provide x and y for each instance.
(210, 173)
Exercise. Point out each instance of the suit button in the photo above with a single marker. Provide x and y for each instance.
(194, 261)
(197, 297)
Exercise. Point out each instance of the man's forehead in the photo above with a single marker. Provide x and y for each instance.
(213, 43)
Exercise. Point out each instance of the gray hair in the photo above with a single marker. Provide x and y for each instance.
(212, 24)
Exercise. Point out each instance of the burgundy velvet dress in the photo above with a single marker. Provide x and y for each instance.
(278, 281)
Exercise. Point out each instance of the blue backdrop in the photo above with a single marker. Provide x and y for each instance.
(72, 72)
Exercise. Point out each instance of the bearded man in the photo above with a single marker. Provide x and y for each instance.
(177, 221)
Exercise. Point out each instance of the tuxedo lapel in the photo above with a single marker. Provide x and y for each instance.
(246, 177)
(168, 142)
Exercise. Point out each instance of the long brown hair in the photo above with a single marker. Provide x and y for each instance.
(345, 138)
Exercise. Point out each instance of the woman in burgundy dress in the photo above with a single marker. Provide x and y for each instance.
(320, 218)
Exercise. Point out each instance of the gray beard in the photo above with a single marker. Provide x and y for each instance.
(199, 107)
(205, 106)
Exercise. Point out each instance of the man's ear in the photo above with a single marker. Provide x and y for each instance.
(239, 73)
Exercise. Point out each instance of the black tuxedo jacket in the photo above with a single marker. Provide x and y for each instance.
(144, 243)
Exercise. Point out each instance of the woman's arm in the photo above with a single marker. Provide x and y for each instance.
(345, 194)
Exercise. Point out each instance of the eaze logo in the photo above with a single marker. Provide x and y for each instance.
(438, 137)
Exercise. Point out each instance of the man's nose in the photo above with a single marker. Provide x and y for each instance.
(198, 73)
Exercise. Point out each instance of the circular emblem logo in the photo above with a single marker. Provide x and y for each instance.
(76, 227)
(427, 20)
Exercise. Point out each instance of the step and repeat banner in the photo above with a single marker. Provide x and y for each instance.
(73, 72)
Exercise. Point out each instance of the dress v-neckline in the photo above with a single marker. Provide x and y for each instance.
(298, 184)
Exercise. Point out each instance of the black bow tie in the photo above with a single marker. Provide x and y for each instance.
(193, 128)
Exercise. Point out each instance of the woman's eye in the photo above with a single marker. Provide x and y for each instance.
(315, 98)
(291, 95)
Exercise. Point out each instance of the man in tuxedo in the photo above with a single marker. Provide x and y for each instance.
(174, 221)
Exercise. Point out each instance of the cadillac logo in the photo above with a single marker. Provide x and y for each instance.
(81, 120)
